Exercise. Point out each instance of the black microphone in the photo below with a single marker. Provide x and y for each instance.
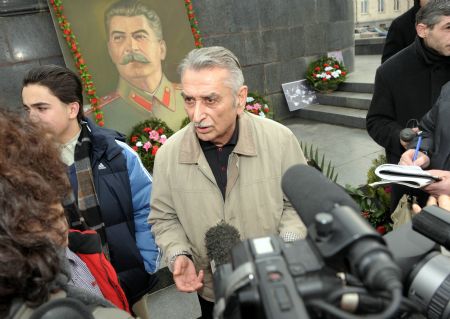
(434, 223)
(338, 231)
(219, 240)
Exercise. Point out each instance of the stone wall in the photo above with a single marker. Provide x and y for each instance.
(276, 39)
(27, 39)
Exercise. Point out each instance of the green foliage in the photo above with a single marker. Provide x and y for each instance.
(313, 159)
(325, 74)
(374, 202)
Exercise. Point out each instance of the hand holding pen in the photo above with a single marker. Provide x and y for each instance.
(419, 143)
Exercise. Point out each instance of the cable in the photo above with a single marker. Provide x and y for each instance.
(390, 311)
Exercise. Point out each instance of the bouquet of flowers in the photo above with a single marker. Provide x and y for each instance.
(326, 74)
(256, 104)
(147, 137)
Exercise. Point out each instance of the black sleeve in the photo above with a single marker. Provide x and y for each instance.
(381, 118)
(393, 42)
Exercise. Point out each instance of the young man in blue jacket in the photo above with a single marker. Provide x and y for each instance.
(110, 185)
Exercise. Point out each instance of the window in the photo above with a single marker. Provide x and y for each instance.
(396, 5)
(380, 5)
(364, 6)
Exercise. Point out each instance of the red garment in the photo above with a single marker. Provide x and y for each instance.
(87, 245)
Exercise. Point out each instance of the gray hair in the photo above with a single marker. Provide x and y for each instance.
(132, 8)
(214, 57)
(431, 13)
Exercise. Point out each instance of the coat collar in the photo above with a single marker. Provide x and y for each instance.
(190, 149)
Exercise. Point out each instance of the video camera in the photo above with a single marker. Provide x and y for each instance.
(343, 269)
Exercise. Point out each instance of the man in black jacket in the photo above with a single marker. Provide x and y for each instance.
(408, 84)
(435, 146)
(402, 31)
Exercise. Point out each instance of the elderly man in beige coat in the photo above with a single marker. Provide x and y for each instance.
(225, 165)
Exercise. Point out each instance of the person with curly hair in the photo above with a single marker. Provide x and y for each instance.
(33, 226)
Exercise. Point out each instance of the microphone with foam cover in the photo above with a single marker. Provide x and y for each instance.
(219, 240)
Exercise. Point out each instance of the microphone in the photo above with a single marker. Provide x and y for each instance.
(338, 231)
(219, 240)
(434, 223)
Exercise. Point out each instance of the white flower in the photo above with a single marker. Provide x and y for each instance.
(338, 71)
(328, 76)
(262, 114)
(139, 144)
(250, 99)
(335, 74)
(328, 68)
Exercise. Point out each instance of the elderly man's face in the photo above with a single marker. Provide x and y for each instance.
(211, 104)
(135, 49)
(437, 38)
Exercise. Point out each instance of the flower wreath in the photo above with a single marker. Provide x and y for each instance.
(256, 104)
(147, 137)
(325, 74)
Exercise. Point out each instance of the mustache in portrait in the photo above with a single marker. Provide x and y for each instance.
(134, 57)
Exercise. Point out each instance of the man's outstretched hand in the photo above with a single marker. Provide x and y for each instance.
(185, 275)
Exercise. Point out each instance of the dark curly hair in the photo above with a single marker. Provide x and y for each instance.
(32, 183)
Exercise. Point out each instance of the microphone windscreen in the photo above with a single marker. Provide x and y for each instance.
(310, 192)
(219, 240)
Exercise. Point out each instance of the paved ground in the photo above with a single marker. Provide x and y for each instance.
(350, 150)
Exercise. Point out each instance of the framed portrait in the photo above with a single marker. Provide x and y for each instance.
(132, 57)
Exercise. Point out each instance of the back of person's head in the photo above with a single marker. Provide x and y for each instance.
(32, 224)
(132, 8)
(214, 57)
(431, 13)
(62, 83)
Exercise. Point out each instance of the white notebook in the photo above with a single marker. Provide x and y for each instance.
(411, 176)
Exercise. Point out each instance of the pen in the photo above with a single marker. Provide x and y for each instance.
(419, 141)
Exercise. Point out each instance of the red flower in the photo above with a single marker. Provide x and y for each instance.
(381, 230)
(99, 116)
(155, 149)
(325, 65)
(343, 73)
(266, 110)
(135, 148)
(328, 72)
(101, 123)
(147, 129)
(134, 139)
(94, 100)
(91, 92)
(365, 214)
(336, 66)
(160, 131)
(324, 79)
(317, 68)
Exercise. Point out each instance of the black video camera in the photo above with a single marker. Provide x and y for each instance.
(343, 269)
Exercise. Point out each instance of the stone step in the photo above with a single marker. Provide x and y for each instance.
(337, 115)
(360, 87)
(353, 100)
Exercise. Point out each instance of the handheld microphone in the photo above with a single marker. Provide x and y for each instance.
(338, 231)
(219, 240)
(407, 135)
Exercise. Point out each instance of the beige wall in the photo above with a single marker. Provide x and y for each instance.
(375, 18)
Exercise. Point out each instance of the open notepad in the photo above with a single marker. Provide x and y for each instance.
(411, 176)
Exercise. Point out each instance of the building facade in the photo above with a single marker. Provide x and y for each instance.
(379, 13)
